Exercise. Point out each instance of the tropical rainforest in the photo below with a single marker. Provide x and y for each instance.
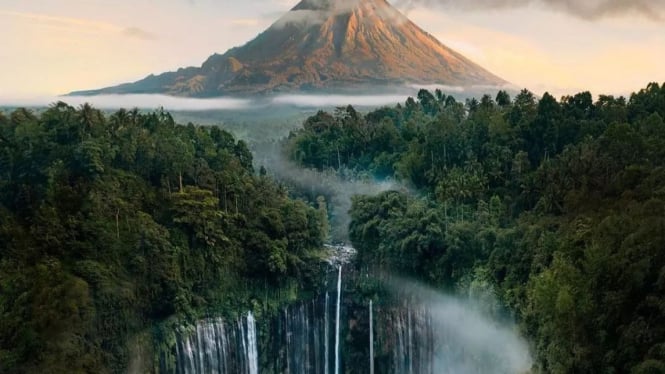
(112, 224)
(557, 205)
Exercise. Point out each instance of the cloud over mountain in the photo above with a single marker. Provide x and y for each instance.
(586, 9)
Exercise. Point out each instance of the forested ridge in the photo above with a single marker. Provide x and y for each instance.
(555, 206)
(110, 225)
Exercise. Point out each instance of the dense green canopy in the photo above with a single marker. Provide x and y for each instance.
(556, 206)
(110, 224)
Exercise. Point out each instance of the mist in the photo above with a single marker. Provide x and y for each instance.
(391, 96)
(316, 12)
(301, 17)
(319, 101)
(479, 343)
(150, 101)
(337, 189)
(141, 101)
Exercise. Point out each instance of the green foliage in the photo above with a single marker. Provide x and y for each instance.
(556, 206)
(110, 226)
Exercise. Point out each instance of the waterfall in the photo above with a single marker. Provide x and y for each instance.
(243, 342)
(371, 339)
(314, 347)
(218, 347)
(252, 350)
(407, 336)
(326, 339)
(297, 340)
(287, 336)
(411, 336)
(339, 297)
(410, 340)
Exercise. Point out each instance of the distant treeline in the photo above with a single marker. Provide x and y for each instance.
(110, 224)
(555, 207)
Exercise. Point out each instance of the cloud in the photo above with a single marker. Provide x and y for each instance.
(138, 33)
(586, 9)
(61, 21)
(301, 17)
(336, 5)
(82, 24)
(314, 12)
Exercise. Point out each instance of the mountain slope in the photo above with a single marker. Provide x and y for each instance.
(323, 44)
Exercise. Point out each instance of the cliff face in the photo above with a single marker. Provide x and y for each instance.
(323, 45)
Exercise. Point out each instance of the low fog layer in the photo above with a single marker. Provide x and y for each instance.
(133, 101)
(317, 101)
(479, 343)
(150, 101)
(154, 101)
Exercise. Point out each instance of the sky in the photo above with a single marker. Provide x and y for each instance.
(51, 47)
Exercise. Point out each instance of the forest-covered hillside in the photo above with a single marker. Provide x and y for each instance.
(110, 224)
(557, 206)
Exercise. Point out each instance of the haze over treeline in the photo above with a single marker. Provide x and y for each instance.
(173, 103)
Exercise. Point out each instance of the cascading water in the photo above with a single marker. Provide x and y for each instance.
(326, 350)
(298, 339)
(252, 350)
(407, 332)
(371, 339)
(411, 333)
(337, 318)
(215, 346)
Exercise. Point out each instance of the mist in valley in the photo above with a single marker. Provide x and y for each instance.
(468, 336)
(335, 187)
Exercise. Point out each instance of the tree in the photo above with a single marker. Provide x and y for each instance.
(503, 99)
(428, 102)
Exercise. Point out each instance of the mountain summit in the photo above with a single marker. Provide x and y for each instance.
(326, 45)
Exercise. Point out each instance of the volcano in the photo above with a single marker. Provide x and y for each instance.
(323, 45)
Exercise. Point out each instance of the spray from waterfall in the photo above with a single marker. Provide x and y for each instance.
(465, 339)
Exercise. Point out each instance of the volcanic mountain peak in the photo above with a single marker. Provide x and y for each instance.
(323, 45)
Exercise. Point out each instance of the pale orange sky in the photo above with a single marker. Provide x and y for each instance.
(53, 47)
